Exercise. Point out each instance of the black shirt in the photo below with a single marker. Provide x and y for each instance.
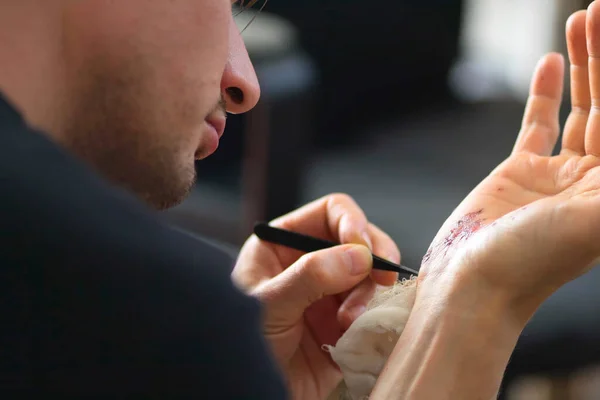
(98, 298)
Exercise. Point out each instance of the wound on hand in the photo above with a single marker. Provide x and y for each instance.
(462, 230)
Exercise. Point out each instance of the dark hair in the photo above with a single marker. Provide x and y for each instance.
(247, 4)
(244, 4)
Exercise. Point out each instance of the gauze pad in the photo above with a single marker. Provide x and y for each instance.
(364, 348)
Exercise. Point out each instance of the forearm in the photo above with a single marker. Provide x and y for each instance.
(456, 345)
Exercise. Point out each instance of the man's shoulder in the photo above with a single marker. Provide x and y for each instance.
(111, 297)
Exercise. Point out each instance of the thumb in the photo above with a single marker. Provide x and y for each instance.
(315, 275)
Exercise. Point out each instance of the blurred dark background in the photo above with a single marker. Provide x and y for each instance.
(405, 106)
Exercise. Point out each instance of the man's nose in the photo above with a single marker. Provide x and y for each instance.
(239, 84)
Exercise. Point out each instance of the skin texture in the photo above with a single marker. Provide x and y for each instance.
(128, 86)
(540, 223)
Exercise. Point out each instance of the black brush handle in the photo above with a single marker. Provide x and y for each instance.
(309, 244)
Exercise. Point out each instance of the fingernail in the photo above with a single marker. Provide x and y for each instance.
(367, 240)
(356, 312)
(360, 260)
(393, 258)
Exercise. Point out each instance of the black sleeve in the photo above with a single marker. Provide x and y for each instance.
(99, 299)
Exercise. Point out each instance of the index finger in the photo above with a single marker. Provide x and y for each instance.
(540, 126)
(335, 217)
(338, 218)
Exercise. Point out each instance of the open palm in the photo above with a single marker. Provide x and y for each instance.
(531, 176)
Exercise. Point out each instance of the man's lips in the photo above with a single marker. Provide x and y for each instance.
(218, 123)
(210, 143)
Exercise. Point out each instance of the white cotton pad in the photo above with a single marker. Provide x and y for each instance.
(365, 347)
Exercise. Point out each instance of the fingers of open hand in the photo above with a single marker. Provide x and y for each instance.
(592, 134)
(540, 126)
(575, 127)
(315, 275)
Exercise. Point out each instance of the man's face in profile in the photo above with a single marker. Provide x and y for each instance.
(146, 80)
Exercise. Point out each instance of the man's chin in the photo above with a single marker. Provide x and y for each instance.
(163, 203)
(168, 195)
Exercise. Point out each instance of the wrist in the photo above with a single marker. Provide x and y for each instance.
(456, 344)
(487, 316)
(455, 289)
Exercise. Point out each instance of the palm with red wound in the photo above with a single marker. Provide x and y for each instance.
(533, 198)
